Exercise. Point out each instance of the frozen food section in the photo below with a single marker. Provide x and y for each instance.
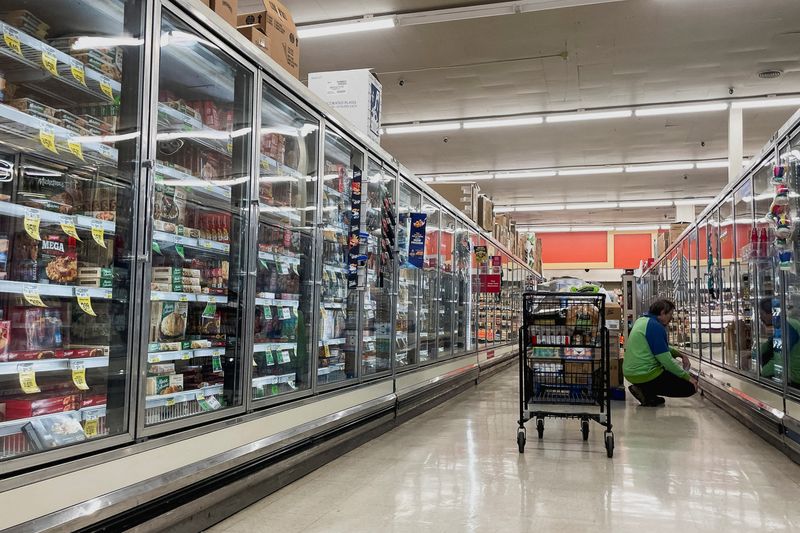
(202, 266)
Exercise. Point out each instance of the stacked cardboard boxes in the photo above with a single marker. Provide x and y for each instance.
(462, 196)
(276, 24)
(666, 238)
(614, 325)
(485, 213)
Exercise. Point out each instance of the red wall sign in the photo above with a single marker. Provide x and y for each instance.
(490, 283)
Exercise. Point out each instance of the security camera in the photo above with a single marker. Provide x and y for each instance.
(586, 270)
(730, 90)
(401, 82)
(445, 140)
(703, 144)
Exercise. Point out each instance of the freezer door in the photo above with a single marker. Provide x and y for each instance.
(429, 296)
(69, 175)
(287, 192)
(200, 204)
(447, 287)
(408, 305)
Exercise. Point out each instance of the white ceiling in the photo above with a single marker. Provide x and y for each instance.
(614, 54)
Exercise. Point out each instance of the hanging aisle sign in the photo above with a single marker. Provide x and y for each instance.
(481, 254)
(354, 236)
(416, 242)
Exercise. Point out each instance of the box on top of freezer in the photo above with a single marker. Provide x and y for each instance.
(277, 24)
(224, 8)
(356, 94)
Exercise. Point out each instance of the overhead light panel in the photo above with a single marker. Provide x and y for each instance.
(349, 26)
(646, 203)
(599, 115)
(659, 167)
(423, 128)
(505, 209)
(547, 229)
(711, 164)
(534, 174)
(541, 207)
(593, 205)
(590, 171)
(693, 201)
(502, 122)
(681, 109)
(592, 228)
(766, 102)
(464, 177)
(639, 227)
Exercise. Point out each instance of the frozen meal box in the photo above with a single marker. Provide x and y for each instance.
(164, 384)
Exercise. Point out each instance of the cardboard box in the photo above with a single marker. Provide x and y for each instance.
(276, 22)
(356, 94)
(662, 243)
(675, 231)
(613, 311)
(257, 37)
(615, 369)
(224, 8)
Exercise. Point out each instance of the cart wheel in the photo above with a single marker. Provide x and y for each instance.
(540, 427)
(521, 440)
(610, 444)
(585, 429)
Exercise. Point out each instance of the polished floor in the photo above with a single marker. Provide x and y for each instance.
(687, 467)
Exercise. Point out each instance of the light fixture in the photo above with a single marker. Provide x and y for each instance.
(540, 207)
(599, 115)
(639, 227)
(349, 26)
(423, 128)
(535, 174)
(505, 209)
(592, 228)
(646, 203)
(767, 102)
(464, 177)
(659, 167)
(681, 109)
(693, 201)
(593, 205)
(588, 171)
(711, 164)
(502, 122)
(547, 229)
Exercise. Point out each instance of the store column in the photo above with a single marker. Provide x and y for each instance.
(735, 142)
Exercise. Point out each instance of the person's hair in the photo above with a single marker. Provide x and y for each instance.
(661, 306)
(766, 305)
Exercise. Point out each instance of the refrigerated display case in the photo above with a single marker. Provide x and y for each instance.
(70, 130)
(447, 287)
(408, 294)
(464, 338)
(429, 286)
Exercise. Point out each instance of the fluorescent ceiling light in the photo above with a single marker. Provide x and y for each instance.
(502, 122)
(591, 171)
(711, 164)
(767, 102)
(592, 228)
(599, 115)
(659, 167)
(350, 26)
(535, 174)
(639, 227)
(681, 109)
(505, 209)
(593, 205)
(464, 177)
(548, 229)
(646, 203)
(541, 207)
(694, 201)
(423, 128)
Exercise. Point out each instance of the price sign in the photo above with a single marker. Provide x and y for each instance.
(285, 358)
(84, 301)
(216, 363)
(90, 427)
(213, 403)
(76, 149)
(201, 400)
(156, 248)
(49, 59)
(31, 223)
(185, 356)
(78, 71)
(282, 268)
(105, 86)
(286, 313)
(31, 295)
(67, 224)
(11, 38)
(154, 359)
(267, 312)
(181, 252)
(183, 298)
(79, 375)
(47, 137)
(326, 350)
(210, 309)
(98, 233)
(169, 402)
(27, 378)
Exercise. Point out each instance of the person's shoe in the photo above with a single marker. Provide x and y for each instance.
(656, 402)
(637, 393)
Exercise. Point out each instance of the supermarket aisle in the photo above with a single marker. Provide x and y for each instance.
(685, 467)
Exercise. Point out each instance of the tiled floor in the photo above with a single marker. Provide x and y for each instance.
(687, 467)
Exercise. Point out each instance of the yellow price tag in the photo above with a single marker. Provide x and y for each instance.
(31, 295)
(90, 427)
(326, 350)
(27, 378)
(84, 301)
(79, 375)
(183, 298)
(47, 137)
(76, 149)
(98, 233)
(49, 59)
(78, 71)
(155, 359)
(105, 86)
(170, 402)
(31, 223)
(67, 224)
(11, 37)
(186, 356)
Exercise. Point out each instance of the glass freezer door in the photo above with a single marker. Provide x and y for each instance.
(407, 344)
(429, 290)
(199, 216)
(343, 263)
(446, 331)
(69, 144)
(287, 184)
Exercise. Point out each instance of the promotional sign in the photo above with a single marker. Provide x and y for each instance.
(416, 242)
(490, 283)
(481, 254)
(354, 238)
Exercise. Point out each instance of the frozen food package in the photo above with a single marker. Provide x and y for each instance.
(170, 321)
(58, 259)
(54, 431)
(36, 328)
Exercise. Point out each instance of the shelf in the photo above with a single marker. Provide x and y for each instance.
(184, 355)
(190, 242)
(274, 380)
(50, 217)
(271, 346)
(281, 169)
(161, 296)
(277, 302)
(371, 338)
(165, 400)
(332, 342)
(334, 305)
(270, 256)
(32, 57)
(173, 177)
(12, 427)
(324, 371)
(333, 268)
(54, 365)
(332, 192)
(47, 289)
(173, 124)
(289, 213)
(25, 127)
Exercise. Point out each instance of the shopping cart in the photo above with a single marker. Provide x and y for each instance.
(564, 362)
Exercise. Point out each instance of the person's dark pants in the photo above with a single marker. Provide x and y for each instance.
(667, 384)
